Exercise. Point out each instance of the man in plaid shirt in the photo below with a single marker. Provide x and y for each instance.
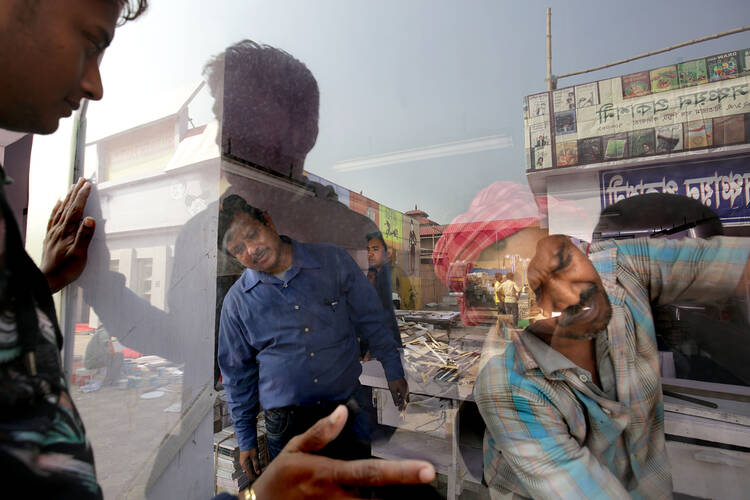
(573, 405)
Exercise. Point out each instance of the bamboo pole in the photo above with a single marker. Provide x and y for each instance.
(550, 83)
(641, 56)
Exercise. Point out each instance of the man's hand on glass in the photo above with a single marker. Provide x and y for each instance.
(68, 236)
(400, 392)
(298, 473)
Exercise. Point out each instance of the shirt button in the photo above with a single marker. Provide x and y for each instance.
(307, 329)
(584, 378)
(296, 306)
(315, 380)
(312, 354)
(285, 285)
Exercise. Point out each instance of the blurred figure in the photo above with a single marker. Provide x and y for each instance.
(497, 287)
(510, 291)
(379, 275)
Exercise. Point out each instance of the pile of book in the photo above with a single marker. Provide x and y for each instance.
(229, 474)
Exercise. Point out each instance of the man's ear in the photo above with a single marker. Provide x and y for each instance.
(269, 222)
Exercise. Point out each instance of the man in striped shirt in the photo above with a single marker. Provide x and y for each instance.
(573, 405)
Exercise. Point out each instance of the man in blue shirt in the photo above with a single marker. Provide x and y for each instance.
(288, 335)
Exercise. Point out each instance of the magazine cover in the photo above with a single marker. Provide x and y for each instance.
(744, 60)
(664, 79)
(564, 99)
(540, 134)
(636, 84)
(693, 73)
(615, 146)
(590, 150)
(567, 153)
(610, 90)
(542, 157)
(641, 142)
(587, 95)
(565, 122)
(669, 138)
(722, 66)
(539, 104)
(698, 134)
(729, 130)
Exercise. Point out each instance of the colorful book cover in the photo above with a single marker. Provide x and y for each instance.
(610, 90)
(563, 99)
(636, 84)
(541, 157)
(587, 95)
(567, 153)
(693, 73)
(539, 104)
(729, 130)
(590, 150)
(698, 134)
(565, 122)
(744, 60)
(641, 142)
(664, 79)
(669, 138)
(722, 66)
(615, 146)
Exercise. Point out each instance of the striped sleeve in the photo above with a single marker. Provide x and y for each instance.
(688, 270)
(533, 438)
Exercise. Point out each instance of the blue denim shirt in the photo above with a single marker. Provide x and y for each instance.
(294, 341)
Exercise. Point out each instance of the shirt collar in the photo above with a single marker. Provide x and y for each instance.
(535, 353)
(604, 258)
(301, 259)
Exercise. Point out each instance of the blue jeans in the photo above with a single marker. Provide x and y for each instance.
(282, 424)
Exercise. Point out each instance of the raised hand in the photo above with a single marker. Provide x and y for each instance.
(68, 236)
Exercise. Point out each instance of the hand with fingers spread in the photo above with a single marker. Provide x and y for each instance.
(298, 473)
(68, 236)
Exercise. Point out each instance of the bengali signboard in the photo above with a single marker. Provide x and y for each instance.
(704, 103)
(391, 226)
(723, 186)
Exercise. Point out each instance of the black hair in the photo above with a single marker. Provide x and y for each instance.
(131, 9)
(229, 208)
(376, 235)
(276, 74)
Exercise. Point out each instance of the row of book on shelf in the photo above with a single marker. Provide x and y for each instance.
(693, 135)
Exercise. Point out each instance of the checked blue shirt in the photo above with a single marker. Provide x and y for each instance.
(552, 432)
(294, 341)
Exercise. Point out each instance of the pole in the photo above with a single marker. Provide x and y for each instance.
(647, 54)
(550, 82)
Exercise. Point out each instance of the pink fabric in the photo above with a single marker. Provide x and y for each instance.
(498, 211)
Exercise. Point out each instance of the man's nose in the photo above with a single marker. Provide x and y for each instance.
(559, 296)
(91, 83)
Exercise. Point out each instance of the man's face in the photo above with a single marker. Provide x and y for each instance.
(256, 245)
(376, 255)
(50, 59)
(565, 282)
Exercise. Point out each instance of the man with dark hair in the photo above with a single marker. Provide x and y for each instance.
(574, 405)
(50, 57)
(380, 277)
(288, 336)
